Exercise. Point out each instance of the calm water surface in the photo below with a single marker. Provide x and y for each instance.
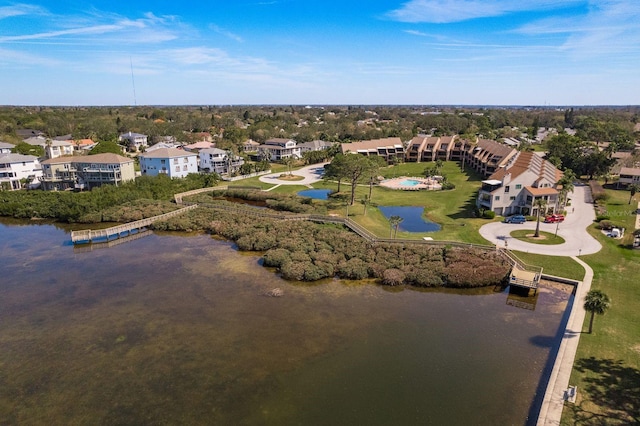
(171, 329)
(412, 218)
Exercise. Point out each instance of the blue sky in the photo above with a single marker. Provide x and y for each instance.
(217, 52)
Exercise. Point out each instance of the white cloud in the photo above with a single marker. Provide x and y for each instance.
(20, 10)
(226, 33)
(447, 11)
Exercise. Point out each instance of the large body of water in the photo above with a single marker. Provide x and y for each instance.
(171, 329)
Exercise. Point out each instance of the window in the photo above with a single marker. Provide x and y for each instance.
(506, 189)
(184, 168)
(518, 186)
(186, 160)
(497, 198)
(163, 161)
(175, 161)
(177, 168)
(512, 198)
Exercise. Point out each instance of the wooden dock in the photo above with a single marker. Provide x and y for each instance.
(87, 236)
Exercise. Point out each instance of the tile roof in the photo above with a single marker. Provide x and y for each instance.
(538, 192)
(105, 158)
(630, 171)
(16, 158)
(372, 145)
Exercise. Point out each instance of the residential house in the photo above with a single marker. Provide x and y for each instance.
(629, 176)
(197, 146)
(514, 188)
(487, 156)
(277, 149)
(16, 167)
(250, 146)
(28, 133)
(86, 171)
(174, 162)
(135, 141)
(83, 146)
(316, 145)
(55, 149)
(161, 145)
(214, 160)
(387, 148)
(5, 147)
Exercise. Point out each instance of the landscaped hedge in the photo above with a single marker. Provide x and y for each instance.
(307, 251)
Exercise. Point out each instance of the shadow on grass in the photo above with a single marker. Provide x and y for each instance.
(466, 210)
(613, 387)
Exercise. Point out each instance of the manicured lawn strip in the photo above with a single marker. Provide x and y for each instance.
(553, 265)
(607, 365)
(525, 235)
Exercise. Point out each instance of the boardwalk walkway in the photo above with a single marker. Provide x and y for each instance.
(90, 235)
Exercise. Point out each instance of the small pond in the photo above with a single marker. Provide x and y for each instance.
(413, 219)
(317, 194)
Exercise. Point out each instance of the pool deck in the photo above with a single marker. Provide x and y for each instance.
(424, 183)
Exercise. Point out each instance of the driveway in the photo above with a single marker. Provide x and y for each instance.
(574, 230)
(311, 174)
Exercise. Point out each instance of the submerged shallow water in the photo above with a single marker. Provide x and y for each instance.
(171, 329)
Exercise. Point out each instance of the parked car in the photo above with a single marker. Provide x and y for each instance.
(554, 218)
(518, 218)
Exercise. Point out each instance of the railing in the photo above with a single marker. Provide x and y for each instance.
(89, 235)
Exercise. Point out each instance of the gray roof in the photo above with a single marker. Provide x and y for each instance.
(16, 158)
(6, 145)
(105, 158)
(213, 151)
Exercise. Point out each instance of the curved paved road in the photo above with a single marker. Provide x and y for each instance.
(311, 174)
(573, 230)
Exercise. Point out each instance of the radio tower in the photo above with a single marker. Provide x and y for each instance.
(133, 83)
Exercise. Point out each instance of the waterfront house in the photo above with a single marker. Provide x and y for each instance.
(514, 188)
(174, 162)
(197, 146)
(387, 148)
(135, 141)
(215, 160)
(86, 171)
(277, 149)
(14, 168)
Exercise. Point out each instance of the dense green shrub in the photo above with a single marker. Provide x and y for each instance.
(489, 214)
(597, 191)
(393, 277)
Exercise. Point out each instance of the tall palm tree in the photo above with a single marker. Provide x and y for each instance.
(394, 222)
(566, 181)
(633, 188)
(596, 302)
(540, 203)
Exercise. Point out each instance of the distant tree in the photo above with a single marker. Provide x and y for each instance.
(28, 149)
(336, 170)
(106, 146)
(289, 162)
(596, 302)
(365, 202)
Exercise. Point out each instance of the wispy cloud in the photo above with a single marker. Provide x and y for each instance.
(609, 26)
(447, 11)
(416, 33)
(20, 10)
(225, 33)
(147, 29)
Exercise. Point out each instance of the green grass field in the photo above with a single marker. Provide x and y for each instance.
(607, 365)
(546, 238)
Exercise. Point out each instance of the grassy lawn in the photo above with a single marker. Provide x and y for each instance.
(607, 365)
(554, 265)
(452, 209)
(546, 238)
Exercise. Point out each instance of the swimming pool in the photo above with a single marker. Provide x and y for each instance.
(410, 182)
